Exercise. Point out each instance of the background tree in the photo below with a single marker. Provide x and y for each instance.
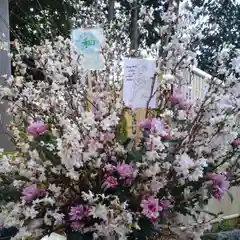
(35, 20)
(222, 29)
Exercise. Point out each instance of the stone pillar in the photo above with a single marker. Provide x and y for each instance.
(5, 69)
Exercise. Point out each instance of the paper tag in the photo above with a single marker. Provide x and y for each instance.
(88, 43)
(138, 79)
(54, 236)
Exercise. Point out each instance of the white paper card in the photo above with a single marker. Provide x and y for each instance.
(89, 42)
(54, 236)
(138, 78)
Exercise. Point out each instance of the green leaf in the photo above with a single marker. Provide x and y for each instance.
(9, 193)
(121, 131)
(79, 236)
(134, 156)
(203, 202)
(230, 196)
(145, 231)
(12, 155)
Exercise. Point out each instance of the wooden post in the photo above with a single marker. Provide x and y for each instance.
(129, 119)
(5, 69)
(140, 116)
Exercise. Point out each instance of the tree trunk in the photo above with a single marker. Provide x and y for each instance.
(110, 10)
(134, 27)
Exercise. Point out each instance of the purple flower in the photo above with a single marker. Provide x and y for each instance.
(77, 226)
(185, 105)
(77, 213)
(157, 126)
(146, 124)
(107, 137)
(177, 98)
(37, 128)
(220, 185)
(154, 125)
(30, 193)
(169, 135)
(110, 182)
(236, 142)
(128, 181)
(150, 207)
(165, 204)
(125, 171)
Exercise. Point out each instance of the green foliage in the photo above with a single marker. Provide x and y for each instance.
(121, 132)
(226, 225)
(79, 236)
(222, 27)
(219, 228)
(146, 229)
(135, 155)
(230, 196)
(12, 155)
(34, 20)
(8, 193)
(44, 151)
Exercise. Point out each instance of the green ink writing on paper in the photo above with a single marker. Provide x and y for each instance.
(88, 42)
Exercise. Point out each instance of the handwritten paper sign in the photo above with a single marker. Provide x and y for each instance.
(88, 42)
(138, 79)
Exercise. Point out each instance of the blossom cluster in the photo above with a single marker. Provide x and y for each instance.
(75, 171)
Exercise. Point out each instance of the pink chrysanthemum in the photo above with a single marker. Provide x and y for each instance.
(220, 185)
(77, 213)
(32, 192)
(110, 182)
(125, 171)
(151, 207)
